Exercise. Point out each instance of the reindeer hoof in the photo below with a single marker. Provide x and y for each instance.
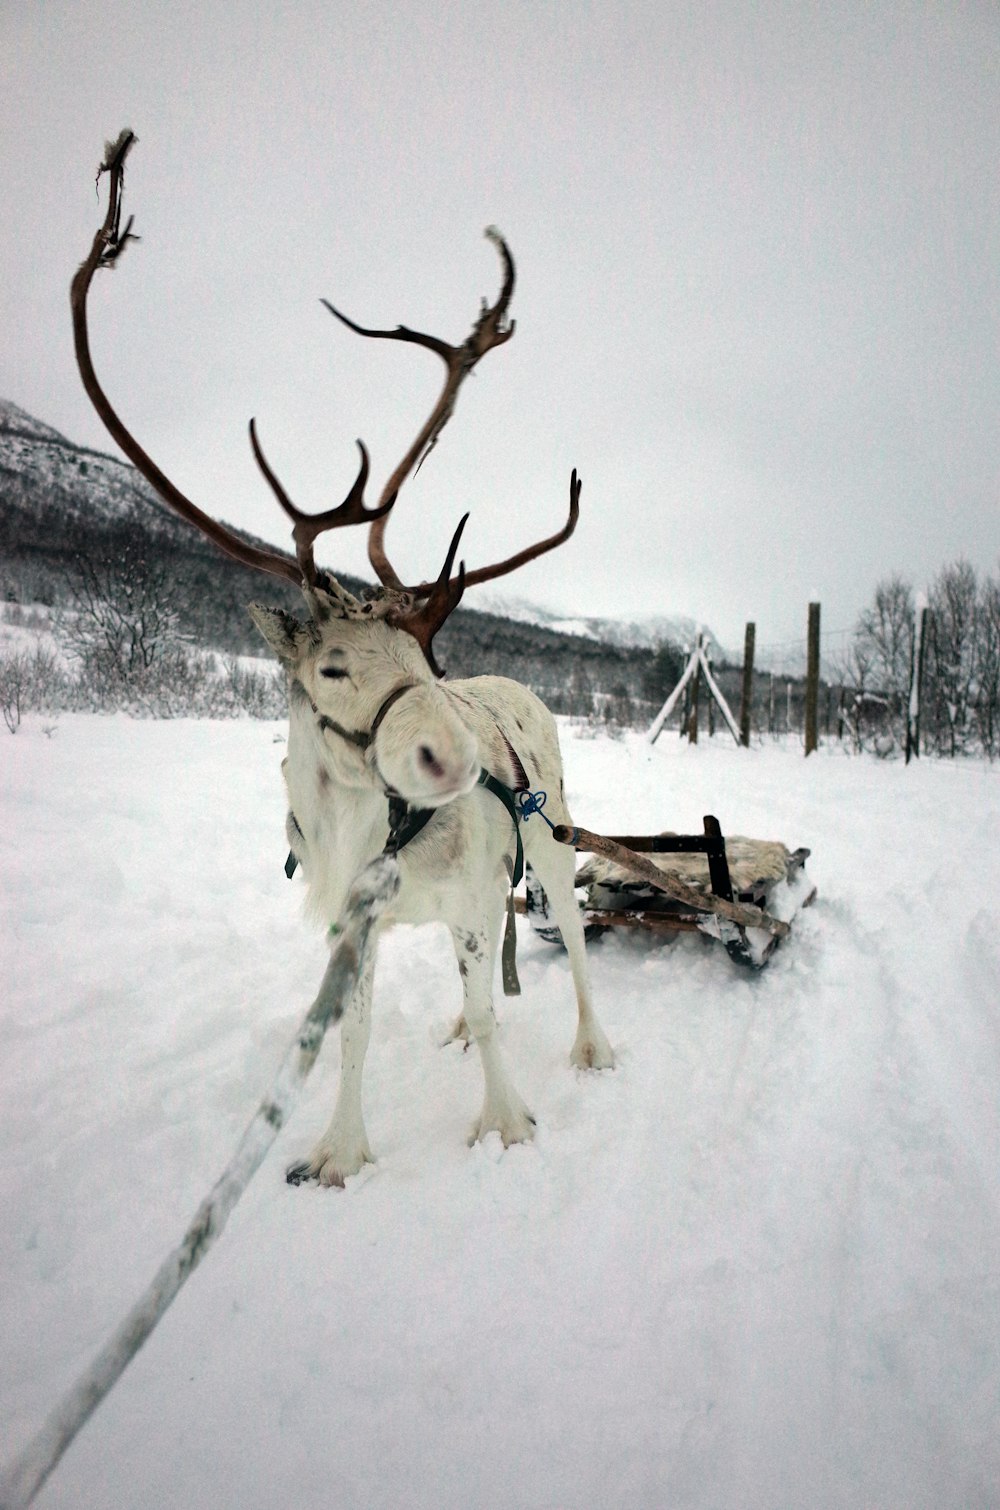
(328, 1168)
(517, 1127)
(298, 1174)
(458, 1033)
(593, 1053)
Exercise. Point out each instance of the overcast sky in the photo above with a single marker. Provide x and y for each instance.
(758, 253)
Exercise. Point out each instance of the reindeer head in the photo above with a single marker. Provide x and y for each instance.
(349, 656)
(373, 696)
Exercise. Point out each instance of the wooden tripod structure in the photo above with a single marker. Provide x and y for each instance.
(697, 662)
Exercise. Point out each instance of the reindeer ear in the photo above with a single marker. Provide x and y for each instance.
(282, 631)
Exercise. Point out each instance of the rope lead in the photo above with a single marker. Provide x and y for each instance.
(531, 803)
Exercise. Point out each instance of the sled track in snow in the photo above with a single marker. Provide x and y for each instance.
(781, 1146)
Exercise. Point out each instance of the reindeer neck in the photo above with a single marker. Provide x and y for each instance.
(332, 756)
(340, 811)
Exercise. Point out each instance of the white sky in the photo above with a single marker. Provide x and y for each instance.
(758, 252)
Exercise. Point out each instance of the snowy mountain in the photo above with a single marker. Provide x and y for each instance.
(75, 482)
(15, 421)
(645, 633)
(60, 502)
(54, 488)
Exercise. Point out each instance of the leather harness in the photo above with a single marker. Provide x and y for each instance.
(407, 821)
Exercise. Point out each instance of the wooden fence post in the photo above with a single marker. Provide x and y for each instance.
(812, 681)
(692, 732)
(746, 701)
(686, 710)
(916, 683)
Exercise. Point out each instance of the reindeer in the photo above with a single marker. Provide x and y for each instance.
(381, 750)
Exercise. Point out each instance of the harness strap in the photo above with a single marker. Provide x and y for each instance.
(406, 822)
(364, 739)
(506, 796)
(508, 950)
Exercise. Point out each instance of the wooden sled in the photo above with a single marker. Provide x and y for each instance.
(745, 893)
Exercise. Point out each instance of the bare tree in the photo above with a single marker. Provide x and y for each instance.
(885, 630)
(953, 655)
(30, 681)
(960, 701)
(125, 613)
(13, 685)
(988, 678)
(863, 705)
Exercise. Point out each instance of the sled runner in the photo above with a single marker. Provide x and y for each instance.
(743, 892)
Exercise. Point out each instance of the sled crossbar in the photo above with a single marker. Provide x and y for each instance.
(628, 851)
(711, 844)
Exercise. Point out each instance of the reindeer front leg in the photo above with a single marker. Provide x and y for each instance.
(503, 1110)
(343, 1148)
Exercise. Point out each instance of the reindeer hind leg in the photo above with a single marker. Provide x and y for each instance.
(503, 1110)
(555, 866)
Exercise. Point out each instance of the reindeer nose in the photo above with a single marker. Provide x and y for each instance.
(430, 764)
(424, 752)
(447, 771)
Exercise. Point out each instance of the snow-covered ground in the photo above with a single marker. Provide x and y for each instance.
(757, 1265)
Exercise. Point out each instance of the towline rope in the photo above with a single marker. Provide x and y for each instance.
(371, 893)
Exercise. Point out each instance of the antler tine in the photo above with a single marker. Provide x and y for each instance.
(440, 600)
(107, 246)
(488, 331)
(307, 527)
(434, 601)
(501, 568)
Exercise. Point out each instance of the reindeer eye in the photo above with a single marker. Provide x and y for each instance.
(332, 671)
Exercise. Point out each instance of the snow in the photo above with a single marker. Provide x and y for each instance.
(757, 1265)
(29, 628)
(650, 631)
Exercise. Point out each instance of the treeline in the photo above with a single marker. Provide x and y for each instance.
(920, 675)
(943, 653)
(52, 537)
(157, 625)
(144, 608)
(572, 674)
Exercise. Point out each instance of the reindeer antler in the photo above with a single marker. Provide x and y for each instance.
(308, 527)
(424, 618)
(488, 331)
(108, 244)
(422, 609)
(501, 568)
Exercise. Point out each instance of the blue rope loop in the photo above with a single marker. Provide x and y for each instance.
(531, 803)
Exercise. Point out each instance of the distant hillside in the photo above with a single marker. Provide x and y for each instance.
(648, 632)
(15, 421)
(60, 501)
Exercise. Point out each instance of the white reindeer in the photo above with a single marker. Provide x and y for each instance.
(373, 731)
